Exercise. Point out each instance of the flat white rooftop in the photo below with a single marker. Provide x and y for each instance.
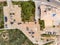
(50, 15)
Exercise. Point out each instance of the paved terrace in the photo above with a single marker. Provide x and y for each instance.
(31, 30)
(12, 16)
(13, 0)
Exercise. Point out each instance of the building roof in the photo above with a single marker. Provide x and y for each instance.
(50, 15)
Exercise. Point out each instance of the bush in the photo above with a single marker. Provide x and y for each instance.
(42, 24)
(28, 10)
(1, 14)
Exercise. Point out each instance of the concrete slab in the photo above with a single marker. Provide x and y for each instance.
(50, 15)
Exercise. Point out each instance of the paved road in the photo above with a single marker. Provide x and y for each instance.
(37, 11)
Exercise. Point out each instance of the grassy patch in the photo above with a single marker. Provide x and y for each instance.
(42, 24)
(16, 37)
(1, 14)
(28, 10)
(1, 30)
(47, 35)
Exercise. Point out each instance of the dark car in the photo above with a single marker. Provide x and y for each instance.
(39, 7)
(5, 19)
